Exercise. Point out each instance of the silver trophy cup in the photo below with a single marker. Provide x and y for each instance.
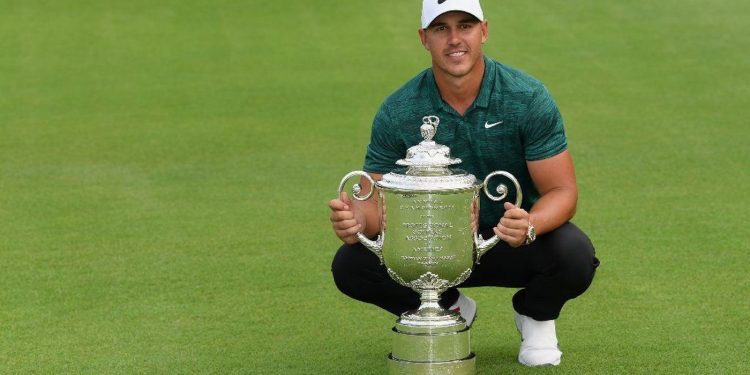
(429, 243)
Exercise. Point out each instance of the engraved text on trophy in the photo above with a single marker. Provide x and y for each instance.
(430, 232)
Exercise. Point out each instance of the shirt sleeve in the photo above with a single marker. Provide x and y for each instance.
(544, 131)
(383, 150)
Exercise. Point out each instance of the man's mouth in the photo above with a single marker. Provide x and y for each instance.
(457, 54)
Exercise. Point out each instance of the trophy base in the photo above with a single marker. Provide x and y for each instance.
(466, 366)
(431, 350)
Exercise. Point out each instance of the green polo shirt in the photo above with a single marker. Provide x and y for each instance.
(512, 120)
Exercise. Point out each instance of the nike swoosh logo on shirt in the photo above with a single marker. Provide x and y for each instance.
(487, 124)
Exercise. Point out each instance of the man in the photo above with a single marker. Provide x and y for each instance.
(492, 117)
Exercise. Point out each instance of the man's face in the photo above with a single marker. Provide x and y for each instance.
(454, 40)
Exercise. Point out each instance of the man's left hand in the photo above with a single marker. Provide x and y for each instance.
(513, 225)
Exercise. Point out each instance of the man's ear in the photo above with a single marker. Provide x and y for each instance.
(485, 31)
(423, 38)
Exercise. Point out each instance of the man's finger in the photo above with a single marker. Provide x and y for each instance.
(510, 235)
(341, 215)
(344, 224)
(514, 223)
(515, 233)
(338, 205)
(349, 231)
(510, 240)
(514, 212)
(345, 198)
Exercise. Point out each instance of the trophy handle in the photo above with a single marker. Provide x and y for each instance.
(481, 244)
(375, 246)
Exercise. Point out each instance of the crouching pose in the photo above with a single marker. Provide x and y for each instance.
(493, 117)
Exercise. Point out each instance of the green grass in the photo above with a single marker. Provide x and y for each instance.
(165, 168)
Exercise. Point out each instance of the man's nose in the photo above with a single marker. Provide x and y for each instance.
(453, 37)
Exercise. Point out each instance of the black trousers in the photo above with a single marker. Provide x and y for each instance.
(556, 268)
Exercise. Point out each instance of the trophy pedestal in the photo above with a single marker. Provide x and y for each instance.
(431, 350)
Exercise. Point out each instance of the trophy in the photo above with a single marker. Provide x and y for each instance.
(429, 243)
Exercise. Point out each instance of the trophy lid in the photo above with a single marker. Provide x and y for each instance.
(427, 166)
(428, 153)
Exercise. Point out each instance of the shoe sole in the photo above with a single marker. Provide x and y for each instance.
(553, 364)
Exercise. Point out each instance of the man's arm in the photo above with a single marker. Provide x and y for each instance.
(351, 216)
(555, 180)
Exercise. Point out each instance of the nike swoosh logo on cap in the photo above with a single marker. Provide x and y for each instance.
(487, 124)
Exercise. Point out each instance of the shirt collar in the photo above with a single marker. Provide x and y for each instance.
(485, 90)
(488, 82)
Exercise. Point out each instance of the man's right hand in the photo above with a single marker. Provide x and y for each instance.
(343, 220)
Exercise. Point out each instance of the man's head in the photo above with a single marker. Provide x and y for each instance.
(431, 9)
(453, 32)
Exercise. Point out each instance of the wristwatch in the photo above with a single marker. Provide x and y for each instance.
(530, 234)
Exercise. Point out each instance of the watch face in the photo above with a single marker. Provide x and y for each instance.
(531, 235)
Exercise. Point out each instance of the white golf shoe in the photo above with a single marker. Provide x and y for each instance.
(539, 345)
(466, 307)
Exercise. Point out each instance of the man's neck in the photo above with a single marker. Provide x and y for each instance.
(460, 92)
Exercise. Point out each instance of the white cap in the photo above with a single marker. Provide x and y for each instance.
(431, 9)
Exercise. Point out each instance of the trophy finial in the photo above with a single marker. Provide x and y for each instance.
(429, 127)
(428, 156)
